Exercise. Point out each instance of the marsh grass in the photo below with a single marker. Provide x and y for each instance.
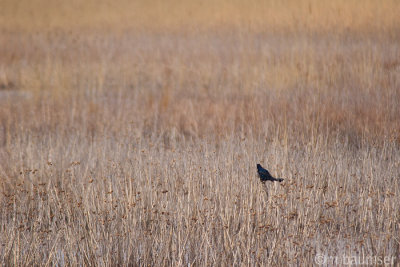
(136, 143)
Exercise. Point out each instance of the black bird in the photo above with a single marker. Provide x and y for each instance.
(265, 176)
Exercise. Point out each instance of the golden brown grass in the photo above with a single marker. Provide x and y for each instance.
(129, 135)
(178, 15)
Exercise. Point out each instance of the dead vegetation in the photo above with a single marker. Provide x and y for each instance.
(139, 138)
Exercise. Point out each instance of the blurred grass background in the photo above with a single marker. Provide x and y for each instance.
(254, 15)
(130, 130)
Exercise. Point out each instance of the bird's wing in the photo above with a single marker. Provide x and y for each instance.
(264, 171)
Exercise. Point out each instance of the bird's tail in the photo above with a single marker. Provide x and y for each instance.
(279, 179)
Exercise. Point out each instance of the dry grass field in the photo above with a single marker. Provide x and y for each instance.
(130, 132)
